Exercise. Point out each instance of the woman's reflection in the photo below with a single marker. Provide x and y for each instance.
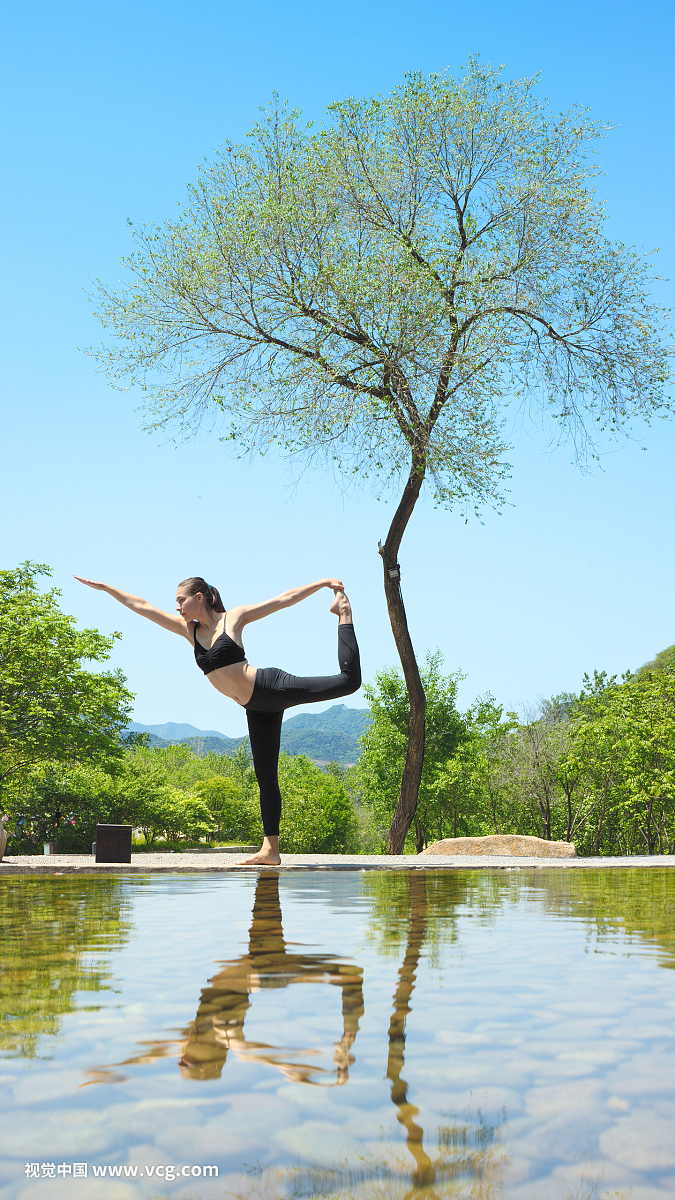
(219, 1024)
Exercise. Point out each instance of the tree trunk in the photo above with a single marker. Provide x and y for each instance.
(412, 771)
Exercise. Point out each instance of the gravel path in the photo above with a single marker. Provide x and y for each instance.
(70, 864)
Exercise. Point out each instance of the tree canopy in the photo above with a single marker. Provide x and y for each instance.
(381, 284)
(51, 706)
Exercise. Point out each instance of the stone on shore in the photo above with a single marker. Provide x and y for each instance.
(506, 844)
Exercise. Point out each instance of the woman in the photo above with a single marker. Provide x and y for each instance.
(216, 636)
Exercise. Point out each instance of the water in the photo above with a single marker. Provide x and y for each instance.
(336, 1034)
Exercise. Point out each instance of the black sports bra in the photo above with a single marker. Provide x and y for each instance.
(222, 653)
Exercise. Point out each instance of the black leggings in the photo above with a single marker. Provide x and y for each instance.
(275, 691)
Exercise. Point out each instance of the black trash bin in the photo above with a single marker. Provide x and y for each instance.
(113, 843)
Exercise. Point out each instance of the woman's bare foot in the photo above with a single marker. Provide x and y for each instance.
(342, 608)
(267, 856)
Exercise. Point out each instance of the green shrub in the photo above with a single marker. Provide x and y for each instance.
(317, 815)
(234, 811)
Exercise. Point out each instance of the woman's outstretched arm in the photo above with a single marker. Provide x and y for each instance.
(240, 616)
(170, 621)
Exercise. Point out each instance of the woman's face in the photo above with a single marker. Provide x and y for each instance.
(188, 606)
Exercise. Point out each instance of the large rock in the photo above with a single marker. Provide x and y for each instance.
(504, 843)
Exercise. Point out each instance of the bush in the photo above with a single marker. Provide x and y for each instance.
(317, 815)
(233, 810)
(62, 803)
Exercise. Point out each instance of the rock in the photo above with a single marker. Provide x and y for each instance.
(504, 843)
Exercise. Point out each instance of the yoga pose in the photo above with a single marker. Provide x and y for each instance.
(215, 634)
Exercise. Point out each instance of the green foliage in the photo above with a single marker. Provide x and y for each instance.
(51, 707)
(660, 663)
(232, 807)
(317, 815)
(597, 769)
(623, 749)
(149, 791)
(471, 790)
(174, 795)
(384, 745)
(62, 803)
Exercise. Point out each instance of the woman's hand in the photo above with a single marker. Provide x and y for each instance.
(100, 587)
(335, 584)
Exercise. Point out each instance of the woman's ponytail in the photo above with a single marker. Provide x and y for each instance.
(215, 601)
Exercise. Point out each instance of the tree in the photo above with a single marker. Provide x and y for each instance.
(662, 661)
(150, 795)
(373, 294)
(51, 706)
(473, 790)
(623, 742)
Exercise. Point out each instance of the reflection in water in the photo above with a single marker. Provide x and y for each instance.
(635, 903)
(464, 1146)
(219, 1024)
(395, 1061)
(578, 1043)
(468, 1159)
(447, 895)
(56, 935)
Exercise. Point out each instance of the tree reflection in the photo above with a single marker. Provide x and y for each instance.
(629, 904)
(463, 1156)
(396, 1057)
(56, 935)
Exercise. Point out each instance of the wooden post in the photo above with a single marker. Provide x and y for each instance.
(113, 843)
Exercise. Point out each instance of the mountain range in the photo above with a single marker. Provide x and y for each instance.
(330, 736)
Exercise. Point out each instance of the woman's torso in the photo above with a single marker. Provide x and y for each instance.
(235, 680)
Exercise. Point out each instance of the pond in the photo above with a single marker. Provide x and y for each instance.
(335, 1034)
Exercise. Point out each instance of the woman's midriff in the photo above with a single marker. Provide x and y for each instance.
(236, 681)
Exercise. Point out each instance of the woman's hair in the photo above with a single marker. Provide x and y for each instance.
(211, 595)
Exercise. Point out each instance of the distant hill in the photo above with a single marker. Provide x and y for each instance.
(331, 736)
(172, 731)
(662, 660)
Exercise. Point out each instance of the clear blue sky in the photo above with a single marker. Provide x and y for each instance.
(109, 109)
